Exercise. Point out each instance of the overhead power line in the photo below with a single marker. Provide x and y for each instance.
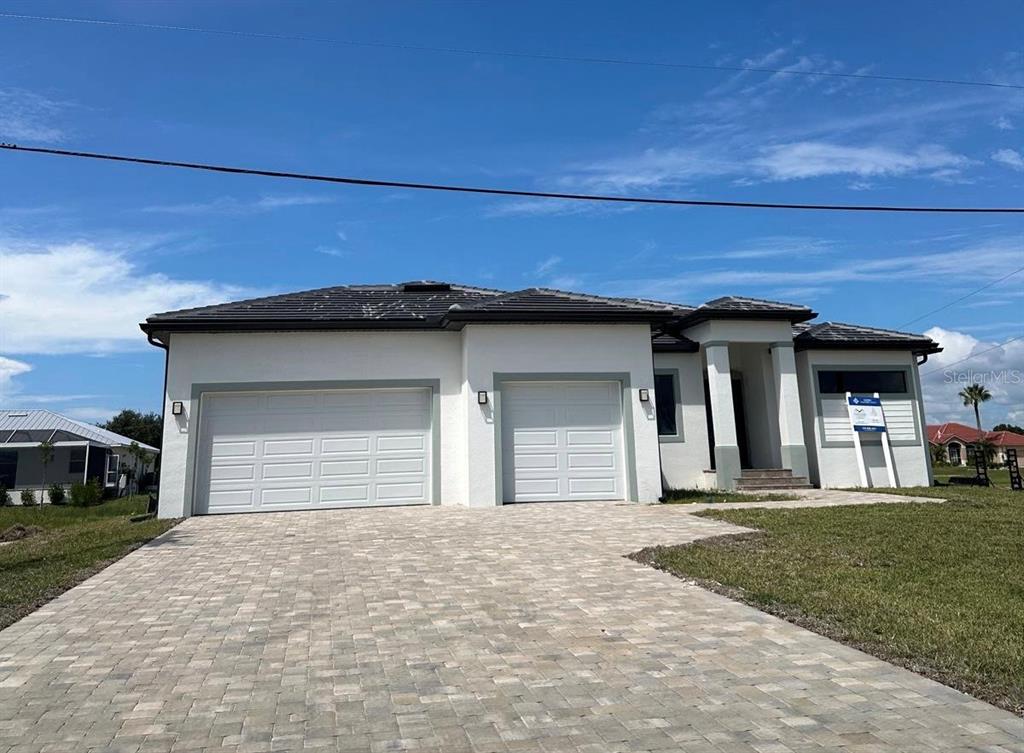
(506, 53)
(973, 355)
(964, 297)
(508, 191)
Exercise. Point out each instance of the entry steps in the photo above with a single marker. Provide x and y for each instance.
(769, 479)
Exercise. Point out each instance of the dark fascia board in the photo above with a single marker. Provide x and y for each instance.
(703, 315)
(918, 347)
(688, 346)
(453, 320)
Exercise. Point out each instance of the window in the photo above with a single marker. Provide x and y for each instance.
(8, 468)
(113, 465)
(665, 404)
(76, 461)
(831, 382)
(954, 454)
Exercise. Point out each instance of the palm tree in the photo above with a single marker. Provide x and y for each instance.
(975, 394)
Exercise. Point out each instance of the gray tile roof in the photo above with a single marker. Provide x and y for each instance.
(842, 335)
(41, 420)
(739, 307)
(423, 304)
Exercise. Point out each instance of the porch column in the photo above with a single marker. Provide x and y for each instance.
(791, 426)
(723, 418)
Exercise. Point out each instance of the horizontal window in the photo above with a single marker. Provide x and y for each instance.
(665, 404)
(832, 382)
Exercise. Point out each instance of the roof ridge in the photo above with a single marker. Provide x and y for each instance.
(877, 329)
(752, 299)
(572, 295)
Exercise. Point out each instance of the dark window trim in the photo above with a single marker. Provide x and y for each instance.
(678, 435)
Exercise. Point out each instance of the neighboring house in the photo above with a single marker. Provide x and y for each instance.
(430, 393)
(81, 451)
(955, 440)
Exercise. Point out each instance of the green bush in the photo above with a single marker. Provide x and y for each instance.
(5, 496)
(28, 497)
(84, 495)
(56, 492)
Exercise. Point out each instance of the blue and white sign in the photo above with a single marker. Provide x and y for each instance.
(866, 413)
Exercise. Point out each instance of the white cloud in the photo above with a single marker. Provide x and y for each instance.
(966, 360)
(337, 253)
(1003, 123)
(772, 246)
(547, 265)
(81, 298)
(9, 369)
(1009, 157)
(27, 116)
(91, 413)
(812, 159)
(232, 205)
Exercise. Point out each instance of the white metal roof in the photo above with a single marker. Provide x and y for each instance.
(46, 420)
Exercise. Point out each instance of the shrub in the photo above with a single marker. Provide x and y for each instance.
(56, 493)
(5, 496)
(83, 495)
(28, 497)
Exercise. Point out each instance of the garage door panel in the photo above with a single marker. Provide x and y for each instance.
(402, 443)
(341, 468)
(309, 449)
(229, 449)
(293, 497)
(344, 445)
(273, 447)
(410, 491)
(562, 441)
(287, 471)
(350, 494)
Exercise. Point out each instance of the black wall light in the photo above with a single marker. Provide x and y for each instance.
(645, 395)
(177, 407)
(481, 397)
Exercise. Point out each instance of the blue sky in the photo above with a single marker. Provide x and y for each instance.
(89, 249)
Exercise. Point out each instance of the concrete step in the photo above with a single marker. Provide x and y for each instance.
(766, 473)
(790, 482)
(767, 488)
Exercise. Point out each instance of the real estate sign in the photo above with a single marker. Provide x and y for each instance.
(865, 413)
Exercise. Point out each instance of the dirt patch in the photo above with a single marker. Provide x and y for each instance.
(17, 532)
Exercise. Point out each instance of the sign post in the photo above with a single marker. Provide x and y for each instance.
(866, 415)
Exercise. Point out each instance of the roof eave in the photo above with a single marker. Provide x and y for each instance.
(698, 316)
(917, 347)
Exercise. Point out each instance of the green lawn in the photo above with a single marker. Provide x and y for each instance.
(998, 476)
(75, 543)
(937, 588)
(698, 496)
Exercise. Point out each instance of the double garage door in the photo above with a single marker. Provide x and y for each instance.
(300, 450)
(264, 451)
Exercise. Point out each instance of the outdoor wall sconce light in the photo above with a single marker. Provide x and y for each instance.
(645, 396)
(177, 407)
(481, 397)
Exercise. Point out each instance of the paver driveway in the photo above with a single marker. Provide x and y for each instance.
(439, 629)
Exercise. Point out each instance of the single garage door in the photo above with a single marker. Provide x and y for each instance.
(263, 451)
(562, 441)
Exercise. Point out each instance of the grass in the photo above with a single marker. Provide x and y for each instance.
(936, 588)
(998, 476)
(699, 496)
(75, 543)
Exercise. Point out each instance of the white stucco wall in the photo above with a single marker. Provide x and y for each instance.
(684, 459)
(303, 357)
(463, 362)
(557, 349)
(834, 464)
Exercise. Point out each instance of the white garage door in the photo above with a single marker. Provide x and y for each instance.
(562, 441)
(262, 451)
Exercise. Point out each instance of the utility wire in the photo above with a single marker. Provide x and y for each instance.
(973, 355)
(964, 297)
(507, 191)
(504, 53)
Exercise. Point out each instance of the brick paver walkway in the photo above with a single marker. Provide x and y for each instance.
(440, 629)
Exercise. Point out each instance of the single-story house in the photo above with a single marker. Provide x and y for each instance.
(436, 393)
(81, 452)
(955, 440)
